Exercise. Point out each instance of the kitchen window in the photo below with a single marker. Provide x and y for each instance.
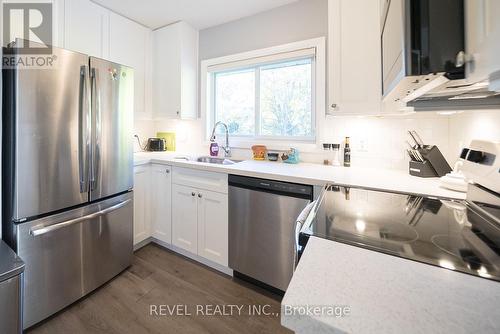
(269, 97)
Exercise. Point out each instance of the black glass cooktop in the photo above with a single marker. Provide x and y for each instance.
(446, 233)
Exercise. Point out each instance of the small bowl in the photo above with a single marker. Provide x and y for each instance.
(271, 156)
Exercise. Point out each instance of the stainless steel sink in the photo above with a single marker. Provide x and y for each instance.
(219, 161)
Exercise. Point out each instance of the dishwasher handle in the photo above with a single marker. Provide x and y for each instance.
(298, 227)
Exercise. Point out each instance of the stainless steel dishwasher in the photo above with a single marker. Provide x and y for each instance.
(262, 217)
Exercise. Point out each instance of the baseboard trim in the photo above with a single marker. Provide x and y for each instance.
(195, 257)
(142, 243)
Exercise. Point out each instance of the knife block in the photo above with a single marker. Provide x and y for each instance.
(422, 169)
(436, 159)
(434, 164)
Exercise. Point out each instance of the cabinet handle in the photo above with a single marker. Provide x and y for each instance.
(167, 171)
(193, 194)
(200, 195)
(334, 105)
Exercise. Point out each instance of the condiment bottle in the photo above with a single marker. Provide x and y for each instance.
(326, 149)
(335, 154)
(347, 153)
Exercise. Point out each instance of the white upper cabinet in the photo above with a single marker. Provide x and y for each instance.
(86, 28)
(175, 72)
(354, 57)
(482, 40)
(130, 44)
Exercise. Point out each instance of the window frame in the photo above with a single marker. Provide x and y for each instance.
(273, 55)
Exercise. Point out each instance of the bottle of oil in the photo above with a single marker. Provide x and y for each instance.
(347, 153)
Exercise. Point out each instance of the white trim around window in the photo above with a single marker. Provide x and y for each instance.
(314, 48)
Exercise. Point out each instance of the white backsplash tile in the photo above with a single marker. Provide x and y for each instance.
(377, 142)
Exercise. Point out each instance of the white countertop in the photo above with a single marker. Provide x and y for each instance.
(386, 294)
(314, 174)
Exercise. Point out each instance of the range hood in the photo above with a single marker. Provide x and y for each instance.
(435, 92)
(423, 59)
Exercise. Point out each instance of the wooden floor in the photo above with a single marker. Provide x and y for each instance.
(160, 277)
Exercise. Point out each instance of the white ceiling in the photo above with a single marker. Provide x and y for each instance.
(200, 14)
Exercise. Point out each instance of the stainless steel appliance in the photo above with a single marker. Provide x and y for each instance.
(67, 176)
(156, 145)
(423, 58)
(453, 234)
(11, 291)
(261, 228)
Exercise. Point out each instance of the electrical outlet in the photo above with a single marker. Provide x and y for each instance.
(362, 146)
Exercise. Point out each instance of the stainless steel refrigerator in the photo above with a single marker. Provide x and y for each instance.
(67, 174)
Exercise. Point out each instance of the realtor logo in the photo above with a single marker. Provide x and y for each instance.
(32, 23)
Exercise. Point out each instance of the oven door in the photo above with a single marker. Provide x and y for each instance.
(303, 225)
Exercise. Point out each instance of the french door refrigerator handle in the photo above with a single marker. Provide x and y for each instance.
(83, 130)
(96, 110)
(41, 229)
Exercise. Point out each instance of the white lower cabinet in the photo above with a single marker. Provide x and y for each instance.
(141, 203)
(179, 207)
(200, 215)
(213, 226)
(185, 218)
(161, 211)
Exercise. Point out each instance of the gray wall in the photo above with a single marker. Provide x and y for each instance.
(294, 22)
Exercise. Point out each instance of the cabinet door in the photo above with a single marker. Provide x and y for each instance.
(354, 57)
(86, 28)
(161, 220)
(213, 226)
(141, 200)
(189, 71)
(129, 45)
(482, 38)
(175, 63)
(185, 218)
(167, 72)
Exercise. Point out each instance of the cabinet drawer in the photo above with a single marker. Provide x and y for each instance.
(200, 179)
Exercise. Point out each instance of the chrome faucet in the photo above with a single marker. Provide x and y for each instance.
(226, 148)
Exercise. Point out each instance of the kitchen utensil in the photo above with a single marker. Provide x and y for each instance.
(409, 145)
(417, 137)
(418, 155)
(414, 139)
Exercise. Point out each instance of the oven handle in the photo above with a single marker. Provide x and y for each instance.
(303, 224)
(301, 219)
(41, 230)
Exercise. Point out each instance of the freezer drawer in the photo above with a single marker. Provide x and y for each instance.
(70, 254)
